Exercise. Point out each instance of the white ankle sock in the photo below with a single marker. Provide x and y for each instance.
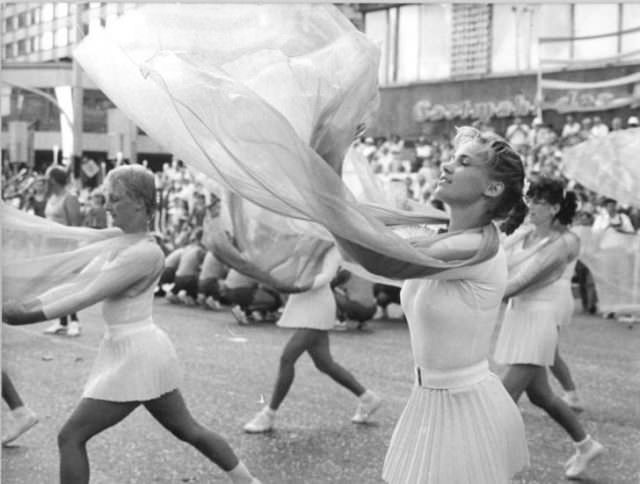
(269, 411)
(366, 396)
(584, 445)
(21, 412)
(571, 394)
(240, 474)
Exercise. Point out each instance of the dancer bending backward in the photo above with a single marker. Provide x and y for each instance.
(539, 296)
(313, 314)
(459, 425)
(136, 363)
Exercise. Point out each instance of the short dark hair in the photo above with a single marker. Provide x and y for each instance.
(552, 190)
(58, 174)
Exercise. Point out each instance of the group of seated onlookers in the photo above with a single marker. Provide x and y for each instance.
(194, 276)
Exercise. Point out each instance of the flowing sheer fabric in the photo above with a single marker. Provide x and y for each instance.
(268, 247)
(614, 261)
(38, 254)
(264, 100)
(607, 165)
(287, 253)
(542, 263)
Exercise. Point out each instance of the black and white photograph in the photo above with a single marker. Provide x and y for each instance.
(320, 243)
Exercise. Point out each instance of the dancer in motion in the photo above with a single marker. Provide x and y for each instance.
(313, 314)
(23, 418)
(459, 425)
(136, 362)
(62, 207)
(539, 301)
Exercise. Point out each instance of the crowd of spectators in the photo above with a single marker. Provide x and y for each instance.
(407, 169)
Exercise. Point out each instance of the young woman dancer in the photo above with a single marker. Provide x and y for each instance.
(540, 300)
(62, 207)
(313, 314)
(459, 425)
(136, 363)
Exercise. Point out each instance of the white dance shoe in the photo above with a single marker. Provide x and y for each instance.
(55, 328)
(262, 422)
(23, 419)
(73, 328)
(240, 315)
(369, 403)
(578, 463)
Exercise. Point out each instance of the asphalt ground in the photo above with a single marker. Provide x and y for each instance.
(229, 372)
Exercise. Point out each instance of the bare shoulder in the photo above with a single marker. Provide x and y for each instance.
(145, 251)
(569, 238)
(456, 246)
(465, 241)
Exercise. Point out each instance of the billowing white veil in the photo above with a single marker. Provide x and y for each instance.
(265, 100)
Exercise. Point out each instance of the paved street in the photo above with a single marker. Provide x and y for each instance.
(230, 369)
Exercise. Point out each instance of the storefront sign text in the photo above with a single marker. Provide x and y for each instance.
(425, 110)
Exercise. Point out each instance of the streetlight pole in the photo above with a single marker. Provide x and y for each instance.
(76, 87)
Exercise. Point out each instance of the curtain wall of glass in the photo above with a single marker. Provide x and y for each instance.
(429, 42)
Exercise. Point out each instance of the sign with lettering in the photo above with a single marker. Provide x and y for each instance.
(568, 102)
(576, 101)
(425, 110)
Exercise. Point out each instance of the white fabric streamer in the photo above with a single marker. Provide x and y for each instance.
(607, 165)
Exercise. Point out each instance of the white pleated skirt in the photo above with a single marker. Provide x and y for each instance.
(458, 427)
(314, 309)
(529, 331)
(135, 362)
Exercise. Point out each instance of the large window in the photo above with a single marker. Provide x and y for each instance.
(23, 19)
(504, 38)
(8, 51)
(435, 41)
(62, 37)
(35, 16)
(408, 43)
(554, 21)
(62, 10)
(594, 19)
(46, 41)
(8, 24)
(47, 12)
(630, 20)
(376, 28)
(22, 47)
(415, 42)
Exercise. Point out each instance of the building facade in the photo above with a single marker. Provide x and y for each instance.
(41, 37)
(447, 64)
(440, 65)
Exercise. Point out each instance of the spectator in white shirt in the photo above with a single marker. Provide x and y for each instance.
(571, 127)
(599, 128)
(518, 133)
(632, 122)
(610, 217)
